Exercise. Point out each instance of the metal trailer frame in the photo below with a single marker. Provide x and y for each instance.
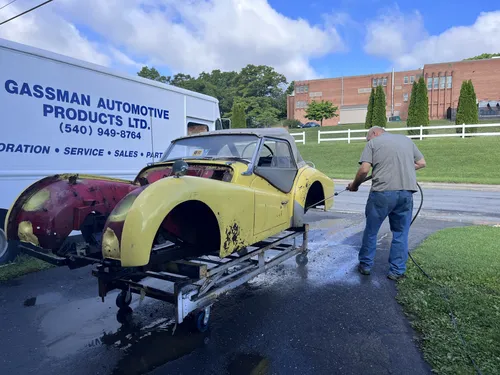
(199, 281)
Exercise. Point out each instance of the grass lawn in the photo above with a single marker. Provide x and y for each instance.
(21, 266)
(453, 160)
(465, 262)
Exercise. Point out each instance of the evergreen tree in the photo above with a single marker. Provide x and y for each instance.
(410, 122)
(369, 113)
(238, 117)
(422, 105)
(467, 111)
(379, 108)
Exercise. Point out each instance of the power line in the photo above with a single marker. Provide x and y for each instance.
(26, 11)
(6, 5)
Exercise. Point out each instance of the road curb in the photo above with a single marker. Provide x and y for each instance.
(437, 185)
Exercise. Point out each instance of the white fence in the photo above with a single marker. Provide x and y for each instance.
(301, 140)
(420, 136)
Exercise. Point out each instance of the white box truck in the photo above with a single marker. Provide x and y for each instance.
(59, 115)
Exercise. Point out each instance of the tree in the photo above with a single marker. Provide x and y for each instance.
(379, 117)
(253, 81)
(319, 111)
(291, 123)
(152, 74)
(467, 111)
(422, 105)
(238, 117)
(369, 113)
(412, 117)
(290, 88)
(484, 56)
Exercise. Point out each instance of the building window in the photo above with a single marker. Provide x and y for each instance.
(301, 89)
(405, 96)
(429, 83)
(436, 82)
(441, 82)
(448, 82)
(379, 82)
(406, 80)
(374, 82)
(384, 81)
(412, 79)
(301, 104)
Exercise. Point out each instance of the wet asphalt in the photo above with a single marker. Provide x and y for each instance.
(324, 318)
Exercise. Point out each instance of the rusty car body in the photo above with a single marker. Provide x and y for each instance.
(238, 187)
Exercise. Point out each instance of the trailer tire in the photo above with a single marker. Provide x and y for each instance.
(201, 325)
(301, 259)
(8, 249)
(123, 299)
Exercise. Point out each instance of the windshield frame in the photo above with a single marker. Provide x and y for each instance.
(246, 160)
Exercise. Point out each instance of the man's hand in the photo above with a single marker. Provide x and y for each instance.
(420, 164)
(360, 176)
(352, 187)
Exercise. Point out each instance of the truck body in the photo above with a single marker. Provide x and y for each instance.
(62, 115)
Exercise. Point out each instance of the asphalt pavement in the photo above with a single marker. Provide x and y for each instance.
(472, 204)
(323, 319)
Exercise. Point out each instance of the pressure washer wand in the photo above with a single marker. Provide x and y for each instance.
(366, 179)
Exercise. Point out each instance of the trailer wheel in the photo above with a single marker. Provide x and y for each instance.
(301, 259)
(200, 319)
(123, 299)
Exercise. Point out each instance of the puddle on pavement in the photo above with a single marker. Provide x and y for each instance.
(142, 341)
(148, 347)
(248, 364)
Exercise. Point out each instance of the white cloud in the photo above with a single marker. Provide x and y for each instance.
(188, 36)
(47, 30)
(402, 38)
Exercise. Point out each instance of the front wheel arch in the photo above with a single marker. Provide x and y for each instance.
(194, 223)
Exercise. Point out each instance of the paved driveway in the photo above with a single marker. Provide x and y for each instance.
(327, 319)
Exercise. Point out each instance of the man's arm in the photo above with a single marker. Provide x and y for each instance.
(418, 157)
(419, 164)
(360, 176)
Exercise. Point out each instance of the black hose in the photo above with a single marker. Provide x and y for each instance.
(444, 294)
(412, 221)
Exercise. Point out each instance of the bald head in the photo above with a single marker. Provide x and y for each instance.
(374, 131)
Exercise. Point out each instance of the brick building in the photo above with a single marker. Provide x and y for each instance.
(443, 81)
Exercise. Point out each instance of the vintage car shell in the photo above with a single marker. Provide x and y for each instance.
(238, 205)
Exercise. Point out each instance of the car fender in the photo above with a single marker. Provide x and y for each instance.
(232, 205)
(306, 178)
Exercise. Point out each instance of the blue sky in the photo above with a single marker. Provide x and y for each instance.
(437, 18)
(300, 39)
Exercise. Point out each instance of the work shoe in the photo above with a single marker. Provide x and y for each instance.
(395, 277)
(363, 270)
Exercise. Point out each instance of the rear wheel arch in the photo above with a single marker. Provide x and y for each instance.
(315, 195)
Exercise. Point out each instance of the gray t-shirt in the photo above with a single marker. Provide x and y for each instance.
(393, 158)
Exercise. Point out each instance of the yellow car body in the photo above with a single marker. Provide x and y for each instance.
(220, 204)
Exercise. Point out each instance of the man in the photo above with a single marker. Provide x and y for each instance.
(394, 159)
